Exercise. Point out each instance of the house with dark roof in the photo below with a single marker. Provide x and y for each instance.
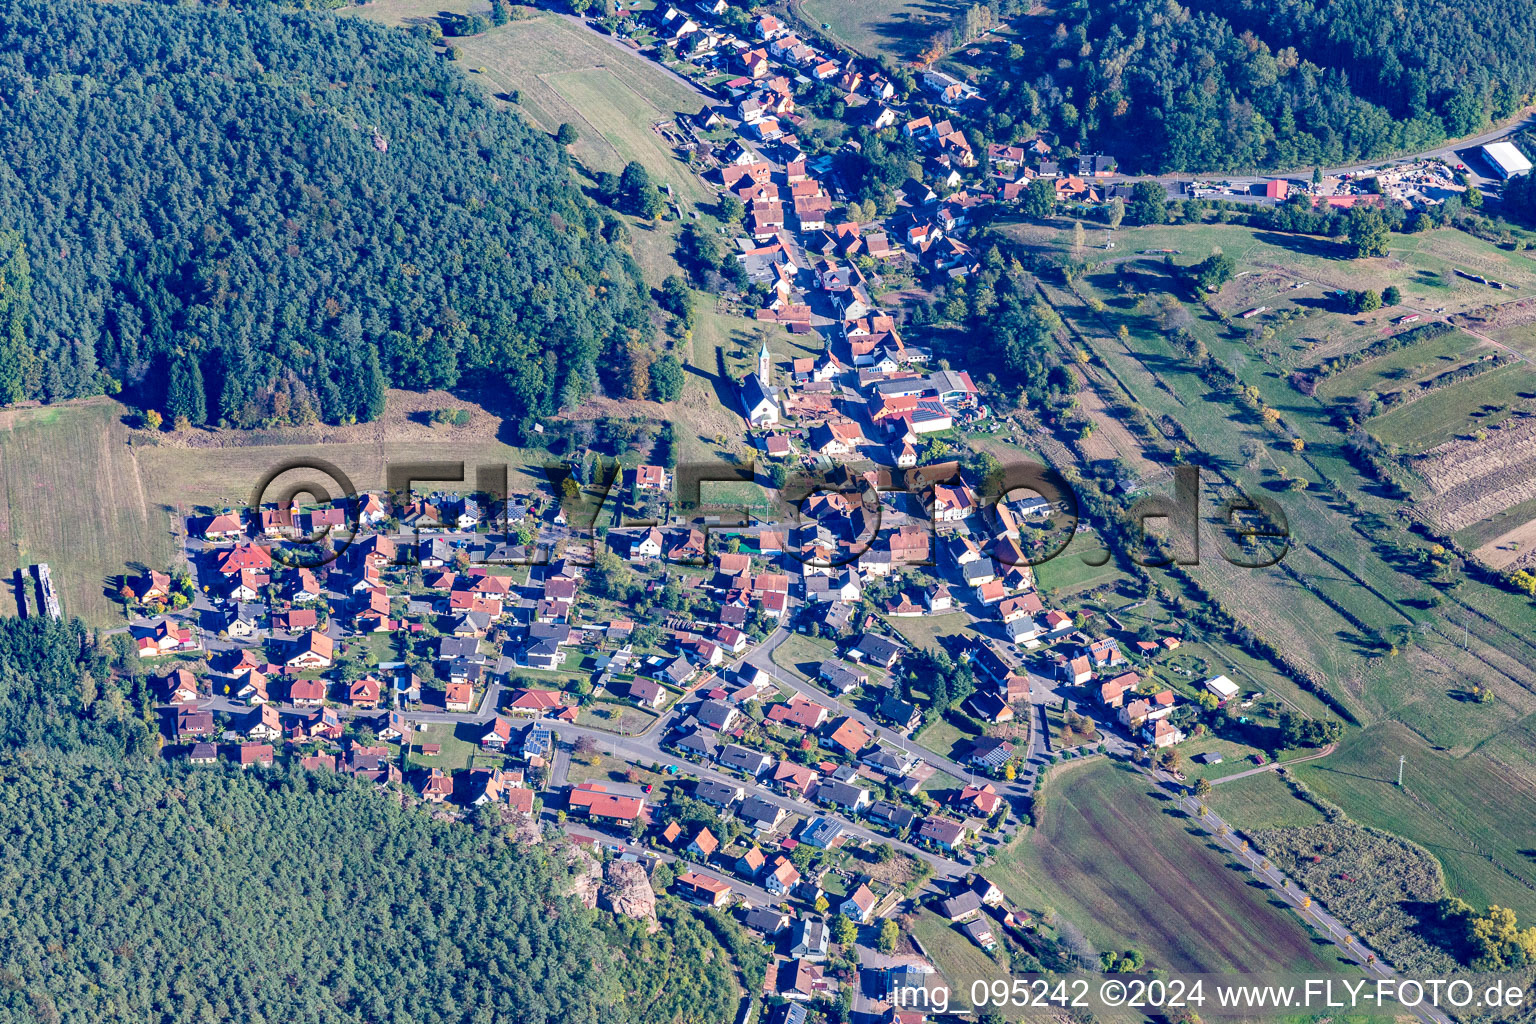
(821, 833)
(900, 713)
(715, 714)
(990, 753)
(961, 907)
(943, 833)
(839, 677)
(751, 762)
(841, 795)
(717, 794)
(896, 816)
(876, 650)
(699, 743)
(808, 938)
(893, 763)
(760, 814)
(766, 921)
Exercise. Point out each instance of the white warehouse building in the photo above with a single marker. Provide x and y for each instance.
(1508, 162)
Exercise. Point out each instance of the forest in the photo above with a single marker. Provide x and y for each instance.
(254, 217)
(133, 889)
(1217, 86)
(59, 695)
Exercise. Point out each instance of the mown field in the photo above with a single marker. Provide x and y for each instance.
(1113, 856)
(563, 73)
(1070, 572)
(1476, 814)
(1467, 406)
(900, 28)
(1261, 801)
(77, 497)
(1398, 369)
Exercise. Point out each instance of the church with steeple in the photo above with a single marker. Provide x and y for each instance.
(759, 398)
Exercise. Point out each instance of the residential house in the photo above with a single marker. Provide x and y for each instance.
(982, 801)
(702, 889)
(306, 693)
(716, 714)
(498, 736)
(809, 938)
(750, 863)
(943, 833)
(717, 794)
(792, 779)
(822, 833)
(766, 921)
(894, 815)
(841, 795)
(262, 724)
(989, 707)
(892, 763)
(257, 754)
(990, 753)
(596, 803)
(876, 650)
(859, 906)
(900, 713)
(458, 697)
(1160, 733)
(850, 735)
(782, 878)
(1112, 692)
(703, 845)
(840, 679)
(311, 650)
(192, 723)
(529, 703)
(760, 814)
(365, 693)
(753, 763)
(647, 693)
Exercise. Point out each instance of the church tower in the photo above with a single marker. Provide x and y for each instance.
(765, 367)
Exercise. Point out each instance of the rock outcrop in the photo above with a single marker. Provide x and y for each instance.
(626, 890)
(586, 875)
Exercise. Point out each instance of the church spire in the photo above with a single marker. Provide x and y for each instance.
(765, 367)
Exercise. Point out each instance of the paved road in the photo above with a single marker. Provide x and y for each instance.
(645, 749)
(762, 657)
(1310, 910)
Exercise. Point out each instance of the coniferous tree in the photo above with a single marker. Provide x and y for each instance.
(184, 391)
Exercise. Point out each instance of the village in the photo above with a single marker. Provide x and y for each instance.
(731, 711)
(409, 660)
(758, 140)
(412, 654)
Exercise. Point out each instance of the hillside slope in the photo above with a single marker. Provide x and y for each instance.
(259, 217)
(1216, 86)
